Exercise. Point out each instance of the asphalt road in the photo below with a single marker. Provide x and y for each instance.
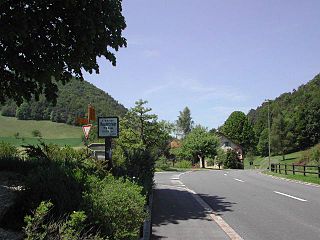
(259, 207)
(176, 213)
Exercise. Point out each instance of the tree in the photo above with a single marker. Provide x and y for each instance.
(45, 42)
(185, 122)
(141, 141)
(238, 128)
(278, 136)
(199, 144)
(263, 144)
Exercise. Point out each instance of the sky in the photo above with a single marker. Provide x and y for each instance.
(213, 56)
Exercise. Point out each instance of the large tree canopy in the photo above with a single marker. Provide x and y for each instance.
(239, 129)
(45, 41)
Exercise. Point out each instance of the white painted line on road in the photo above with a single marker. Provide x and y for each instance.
(239, 180)
(287, 195)
(225, 174)
(174, 178)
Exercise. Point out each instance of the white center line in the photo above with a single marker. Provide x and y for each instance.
(239, 180)
(287, 195)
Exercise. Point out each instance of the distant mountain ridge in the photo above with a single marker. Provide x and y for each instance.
(300, 111)
(72, 102)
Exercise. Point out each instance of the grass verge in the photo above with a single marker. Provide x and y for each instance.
(299, 177)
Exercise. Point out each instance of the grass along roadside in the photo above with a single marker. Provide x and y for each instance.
(263, 162)
(299, 177)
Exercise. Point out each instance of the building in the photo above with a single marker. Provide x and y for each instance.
(226, 143)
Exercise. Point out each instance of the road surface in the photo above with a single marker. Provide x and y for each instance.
(177, 214)
(259, 207)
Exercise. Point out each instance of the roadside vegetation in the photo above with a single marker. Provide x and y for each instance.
(66, 194)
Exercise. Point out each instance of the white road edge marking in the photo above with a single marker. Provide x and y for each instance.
(287, 195)
(232, 234)
(239, 180)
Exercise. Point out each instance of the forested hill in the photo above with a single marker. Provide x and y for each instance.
(73, 100)
(295, 119)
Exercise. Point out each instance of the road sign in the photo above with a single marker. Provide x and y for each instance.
(108, 127)
(86, 130)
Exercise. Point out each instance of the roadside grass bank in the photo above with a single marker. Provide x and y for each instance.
(72, 142)
(263, 162)
(297, 176)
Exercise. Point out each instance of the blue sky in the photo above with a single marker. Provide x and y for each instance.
(215, 57)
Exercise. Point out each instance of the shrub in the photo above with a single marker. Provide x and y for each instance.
(39, 226)
(52, 182)
(36, 133)
(162, 164)
(116, 206)
(138, 166)
(315, 154)
(231, 160)
(183, 164)
(8, 151)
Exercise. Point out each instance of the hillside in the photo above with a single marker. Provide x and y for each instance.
(295, 119)
(19, 132)
(73, 99)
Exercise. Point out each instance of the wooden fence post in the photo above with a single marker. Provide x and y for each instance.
(319, 171)
(279, 168)
(293, 172)
(304, 170)
(285, 169)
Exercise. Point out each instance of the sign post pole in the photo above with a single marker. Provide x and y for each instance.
(107, 152)
(108, 128)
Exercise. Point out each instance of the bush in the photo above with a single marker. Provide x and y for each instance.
(39, 226)
(52, 182)
(183, 164)
(231, 160)
(162, 164)
(36, 133)
(116, 206)
(138, 166)
(8, 151)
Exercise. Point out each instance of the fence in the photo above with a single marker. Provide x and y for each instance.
(295, 168)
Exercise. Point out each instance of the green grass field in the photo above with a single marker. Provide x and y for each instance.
(263, 162)
(57, 133)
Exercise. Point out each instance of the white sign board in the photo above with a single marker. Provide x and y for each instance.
(108, 127)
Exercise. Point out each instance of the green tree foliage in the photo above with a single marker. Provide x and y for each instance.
(184, 122)
(141, 141)
(263, 144)
(72, 102)
(300, 110)
(45, 42)
(198, 145)
(238, 128)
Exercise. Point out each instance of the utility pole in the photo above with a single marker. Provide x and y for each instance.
(269, 133)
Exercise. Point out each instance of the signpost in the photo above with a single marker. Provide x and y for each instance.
(108, 128)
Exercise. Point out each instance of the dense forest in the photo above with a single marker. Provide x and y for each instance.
(72, 102)
(294, 117)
